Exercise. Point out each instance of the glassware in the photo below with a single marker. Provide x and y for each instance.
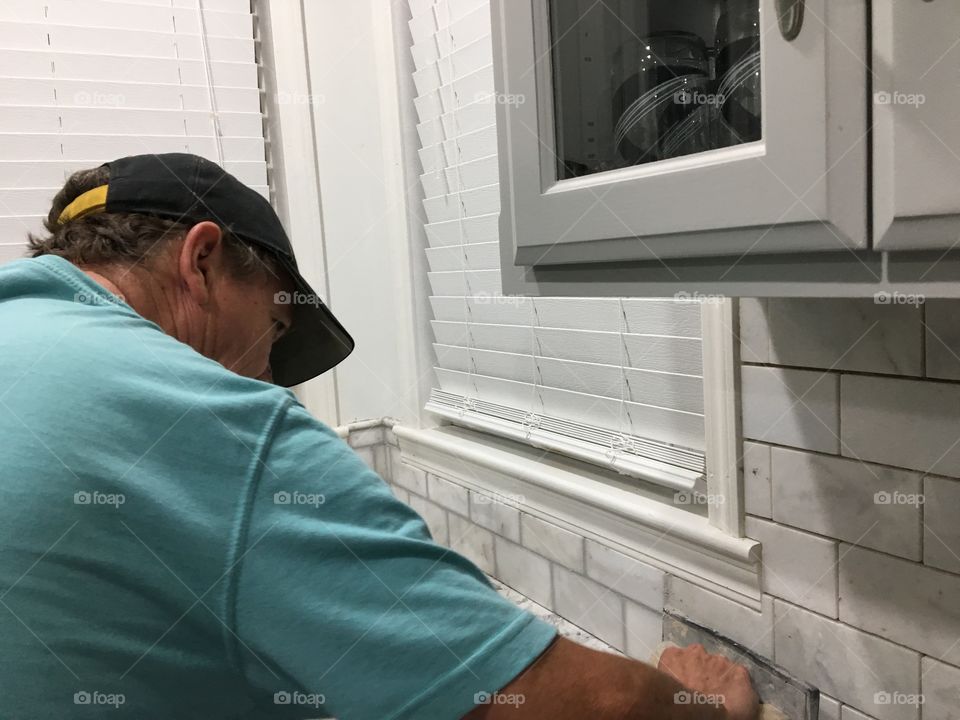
(670, 68)
(639, 81)
(738, 69)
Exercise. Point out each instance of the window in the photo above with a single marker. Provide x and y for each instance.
(613, 381)
(180, 76)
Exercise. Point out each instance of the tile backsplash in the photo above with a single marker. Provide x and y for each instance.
(851, 417)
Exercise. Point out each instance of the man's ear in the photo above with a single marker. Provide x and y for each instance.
(201, 259)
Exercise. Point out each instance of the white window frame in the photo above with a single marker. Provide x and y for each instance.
(709, 551)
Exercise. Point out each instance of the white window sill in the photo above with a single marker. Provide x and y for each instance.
(596, 504)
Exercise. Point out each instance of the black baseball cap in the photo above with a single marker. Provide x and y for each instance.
(190, 189)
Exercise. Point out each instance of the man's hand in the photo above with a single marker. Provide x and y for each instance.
(570, 681)
(712, 675)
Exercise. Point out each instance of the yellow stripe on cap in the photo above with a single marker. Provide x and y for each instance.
(89, 203)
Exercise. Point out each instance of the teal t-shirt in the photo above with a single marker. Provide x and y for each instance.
(178, 541)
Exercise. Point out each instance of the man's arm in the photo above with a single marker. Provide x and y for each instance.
(569, 680)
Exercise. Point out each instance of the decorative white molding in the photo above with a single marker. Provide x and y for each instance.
(594, 504)
(721, 413)
(344, 430)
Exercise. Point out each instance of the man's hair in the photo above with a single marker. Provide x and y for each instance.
(130, 238)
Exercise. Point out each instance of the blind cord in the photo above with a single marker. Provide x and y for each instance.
(208, 73)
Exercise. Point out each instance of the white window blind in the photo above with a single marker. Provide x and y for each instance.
(82, 83)
(617, 382)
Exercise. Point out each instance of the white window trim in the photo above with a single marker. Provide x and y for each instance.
(293, 161)
(709, 551)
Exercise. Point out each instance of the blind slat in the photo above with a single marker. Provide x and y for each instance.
(646, 421)
(476, 115)
(471, 230)
(449, 68)
(131, 43)
(41, 64)
(123, 121)
(465, 204)
(449, 98)
(93, 148)
(128, 95)
(483, 256)
(661, 389)
(652, 353)
(652, 461)
(83, 83)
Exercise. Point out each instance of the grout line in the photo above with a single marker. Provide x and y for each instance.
(859, 373)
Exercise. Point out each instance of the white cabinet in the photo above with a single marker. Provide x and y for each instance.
(656, 147)
(916, 70)
(655, 132)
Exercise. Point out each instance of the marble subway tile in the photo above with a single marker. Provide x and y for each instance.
(941, 521)
(393, 459)
(524, 571)
(644, 629)
(448, 494)
(589, 605)
(472, 541)
(911, 604)
(846, 499)
(366, 437)
(366, 454)
(381, 461)
(829, 708)
(495, 515)
(566, 628)
(791, 407)
(400, 493)
(751, 629)
(909, 423)
(754, 332)
(413, 479)
(940, 684)
(756, 479)
(625, 575)
(942, 338)
(844, 662)
(435, 517)
(849, 713)
(854, 334)
(797, 566)
(554, 543)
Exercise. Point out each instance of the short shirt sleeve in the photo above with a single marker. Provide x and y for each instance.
(342, 597)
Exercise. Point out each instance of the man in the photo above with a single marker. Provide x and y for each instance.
(182, 539)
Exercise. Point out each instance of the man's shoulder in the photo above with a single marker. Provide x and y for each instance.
(74, 356)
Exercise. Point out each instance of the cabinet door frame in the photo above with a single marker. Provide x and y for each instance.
(802, 188)
(916, 144)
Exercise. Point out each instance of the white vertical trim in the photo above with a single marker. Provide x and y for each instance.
(398, 181)
(294, 157)
(719, 318)
(414, 284)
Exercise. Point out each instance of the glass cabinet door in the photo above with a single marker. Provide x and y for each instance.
(652, 130)
(637, 81)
